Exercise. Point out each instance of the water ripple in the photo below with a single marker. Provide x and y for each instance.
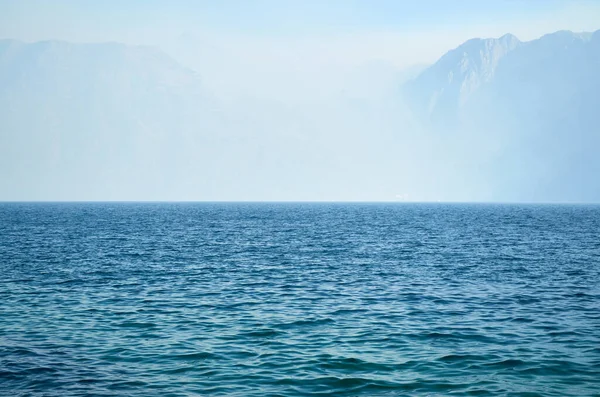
(299, 299)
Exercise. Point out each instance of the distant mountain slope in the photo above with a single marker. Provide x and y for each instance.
(523, 116)
(440, 90)
(74, 112)
(560, 62)
(129, 122)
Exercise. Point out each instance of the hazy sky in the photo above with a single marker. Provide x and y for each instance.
(342, 29)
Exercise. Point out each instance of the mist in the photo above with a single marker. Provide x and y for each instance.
(173, 111)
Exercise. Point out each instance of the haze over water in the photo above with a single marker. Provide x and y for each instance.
(299, 299)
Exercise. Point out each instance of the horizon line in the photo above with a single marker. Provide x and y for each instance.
(294, 202)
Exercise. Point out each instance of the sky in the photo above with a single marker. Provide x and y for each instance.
(341, 28)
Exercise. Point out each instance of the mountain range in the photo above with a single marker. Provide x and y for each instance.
(522, 115)
(494, 119)
(81, 114)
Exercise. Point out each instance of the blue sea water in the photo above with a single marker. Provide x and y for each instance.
(182, 299)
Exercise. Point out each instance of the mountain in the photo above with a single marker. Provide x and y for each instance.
(521, 116)
(556, 67)
(441, 90)
(96, 115)
(113, 121)
(494, 119)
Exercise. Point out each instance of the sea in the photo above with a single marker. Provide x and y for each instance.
(299, 299)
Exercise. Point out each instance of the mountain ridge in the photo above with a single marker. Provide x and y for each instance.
(492, 119)
(528, 123)
(102, 110)
(439, 92)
